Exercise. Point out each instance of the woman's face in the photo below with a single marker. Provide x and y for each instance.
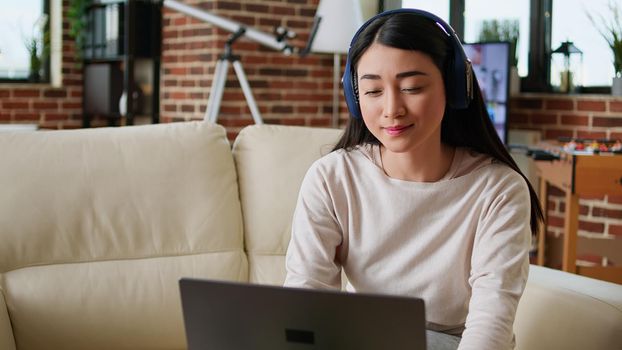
(402, 98)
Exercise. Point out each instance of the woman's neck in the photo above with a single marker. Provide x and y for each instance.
(424, 165)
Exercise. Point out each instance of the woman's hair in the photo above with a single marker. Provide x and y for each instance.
(470, 127)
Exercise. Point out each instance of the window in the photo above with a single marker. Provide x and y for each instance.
(543, 26)
(508, 14)
(475, 14)
(25, 41)
(439, 8)
(570, 22)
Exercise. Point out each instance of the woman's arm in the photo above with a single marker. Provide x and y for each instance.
(312, 255)
(499, 267)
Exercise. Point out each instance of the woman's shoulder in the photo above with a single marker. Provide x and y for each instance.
(470, 161)
(345, 158)
(485, 168)
(341, 168)
(337, 169)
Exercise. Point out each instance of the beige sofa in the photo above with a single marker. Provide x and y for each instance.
(97, 226)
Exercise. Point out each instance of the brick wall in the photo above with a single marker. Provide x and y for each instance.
(288, 89)
(50, 108)
(577, 116)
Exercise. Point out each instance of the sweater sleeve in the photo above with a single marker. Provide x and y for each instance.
(311, 260)
(499, 267)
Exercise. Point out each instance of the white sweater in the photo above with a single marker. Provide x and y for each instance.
(460, 243)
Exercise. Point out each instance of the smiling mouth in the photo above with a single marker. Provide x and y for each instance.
(396, 130)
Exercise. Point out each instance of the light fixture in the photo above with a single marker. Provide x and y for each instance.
(569, 73)
(336, 21)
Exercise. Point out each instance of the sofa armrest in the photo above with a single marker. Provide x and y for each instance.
(7, 341)
(560, 310)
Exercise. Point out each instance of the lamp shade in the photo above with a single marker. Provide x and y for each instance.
(338, 21)
(567, 48)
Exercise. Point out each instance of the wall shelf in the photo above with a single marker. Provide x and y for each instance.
(121, 54)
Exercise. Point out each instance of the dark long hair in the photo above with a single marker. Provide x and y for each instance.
(470, 127)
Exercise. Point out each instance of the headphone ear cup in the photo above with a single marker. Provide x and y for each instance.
(450, 82)
(457, 81)
(349, 91)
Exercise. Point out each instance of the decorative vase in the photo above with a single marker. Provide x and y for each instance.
(137, 101)
(616, 86)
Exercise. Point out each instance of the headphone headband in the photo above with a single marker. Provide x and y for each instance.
(458, 77)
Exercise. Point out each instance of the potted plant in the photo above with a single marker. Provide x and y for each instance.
(33, 47)
(37, 45)
(76, 15)
(611, 30)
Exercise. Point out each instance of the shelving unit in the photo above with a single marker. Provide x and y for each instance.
(121, 54)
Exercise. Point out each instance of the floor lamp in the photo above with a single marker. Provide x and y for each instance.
(336, 21)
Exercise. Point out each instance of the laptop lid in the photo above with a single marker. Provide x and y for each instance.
(234, 316)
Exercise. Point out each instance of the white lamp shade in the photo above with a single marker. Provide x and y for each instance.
(340, 19)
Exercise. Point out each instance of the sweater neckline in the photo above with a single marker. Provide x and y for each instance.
(373, 153)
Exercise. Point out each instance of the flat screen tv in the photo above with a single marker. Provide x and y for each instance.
(491, 64)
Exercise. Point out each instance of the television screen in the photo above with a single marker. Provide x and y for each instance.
(491, 64)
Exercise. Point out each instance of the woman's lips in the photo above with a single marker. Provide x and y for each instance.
(396, 130)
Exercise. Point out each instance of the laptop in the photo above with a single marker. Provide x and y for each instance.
(222, 315)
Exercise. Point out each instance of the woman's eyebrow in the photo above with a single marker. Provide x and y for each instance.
(398, 75)
(370, 77)
(409, 74)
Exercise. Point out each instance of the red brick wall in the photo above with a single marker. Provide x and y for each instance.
(582, 116)
(578, 116)
(288, 89)
(50, 108)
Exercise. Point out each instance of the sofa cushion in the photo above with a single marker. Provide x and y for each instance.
(271, 161)
(560, 310)
(98, 225)
(7, 342)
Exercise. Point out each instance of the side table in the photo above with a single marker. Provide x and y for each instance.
(578, 174)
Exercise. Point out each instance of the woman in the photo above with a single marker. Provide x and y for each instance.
(419, 197)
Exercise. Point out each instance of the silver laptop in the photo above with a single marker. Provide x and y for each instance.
(234, 316)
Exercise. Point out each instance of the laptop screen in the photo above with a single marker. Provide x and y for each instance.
(236, 316)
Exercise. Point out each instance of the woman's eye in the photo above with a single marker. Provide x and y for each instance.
(372, 92)
(411, 90)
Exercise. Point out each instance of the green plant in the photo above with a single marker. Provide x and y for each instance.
(611, 30)
(76, 14)
(37, 44)
(34, 52)
(505, 30)
(46, 51)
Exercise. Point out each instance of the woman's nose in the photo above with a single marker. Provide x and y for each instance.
(394, 105)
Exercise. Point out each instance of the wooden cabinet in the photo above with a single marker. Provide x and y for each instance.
(122, 58)
(577, 175)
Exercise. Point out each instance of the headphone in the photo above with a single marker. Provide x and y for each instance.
(458, 77)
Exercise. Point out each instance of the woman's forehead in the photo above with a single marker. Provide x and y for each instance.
(380, 59)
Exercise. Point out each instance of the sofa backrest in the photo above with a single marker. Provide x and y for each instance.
(98, 225)
(271, 161)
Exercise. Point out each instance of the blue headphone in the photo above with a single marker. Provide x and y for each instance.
(458, 78)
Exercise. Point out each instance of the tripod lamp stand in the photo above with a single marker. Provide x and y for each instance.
(277, 41)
